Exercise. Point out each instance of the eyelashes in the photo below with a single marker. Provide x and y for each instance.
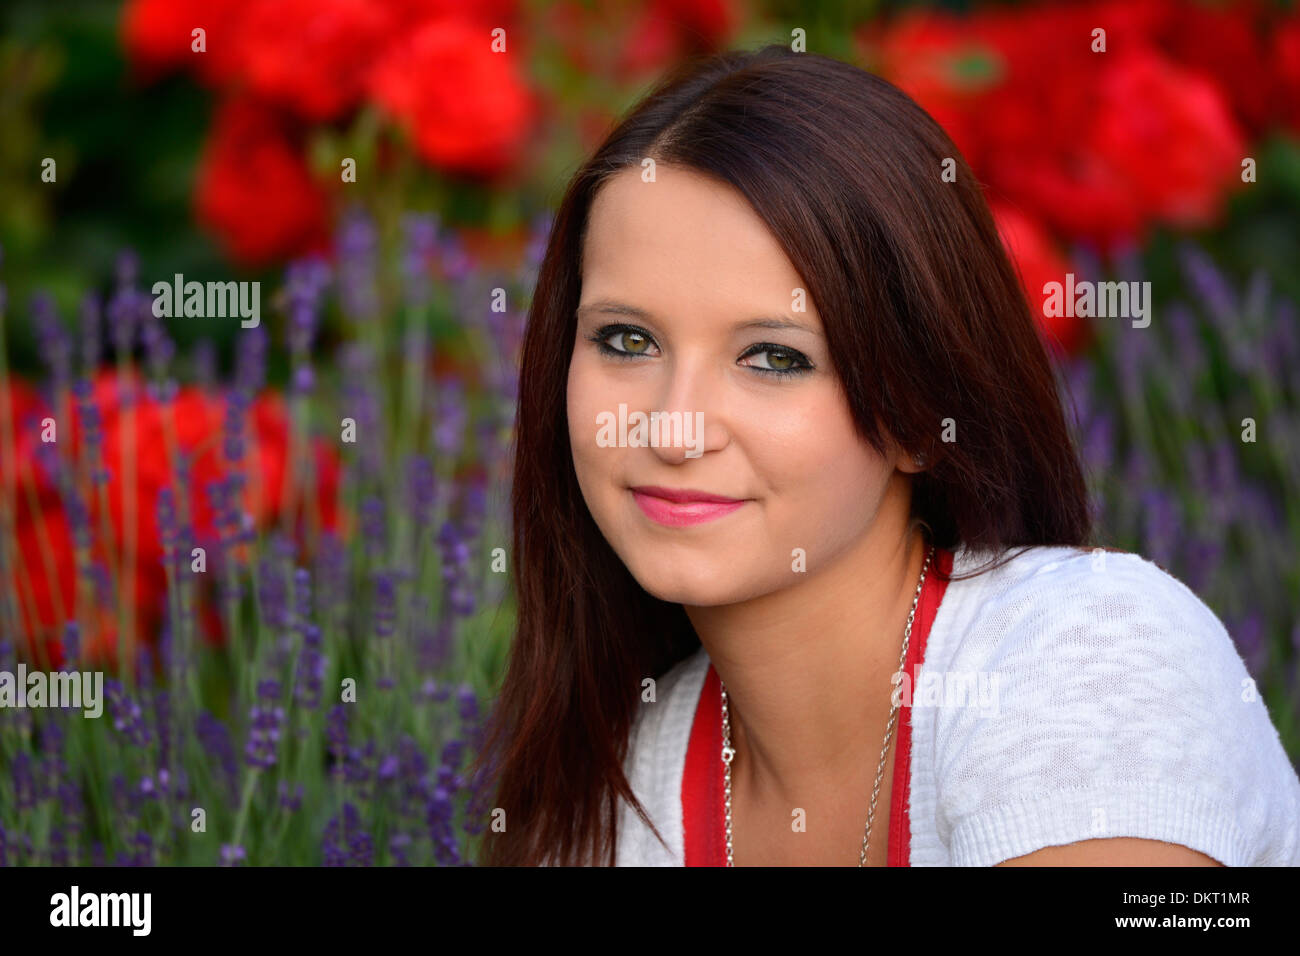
(634, 336)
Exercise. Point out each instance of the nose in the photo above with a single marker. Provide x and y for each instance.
(693, 418)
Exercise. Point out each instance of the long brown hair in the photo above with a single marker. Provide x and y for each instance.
(926, 321)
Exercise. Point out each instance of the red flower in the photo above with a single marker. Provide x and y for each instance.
(1286, 66)
(491, 13)
(312, 55)
(1169, 134)
(255, 190)
(1095, 145)
(158, 37)
(465, 106)
(1228, 43)
(934, 58)
(667, 30)
(194, 418)
(1038, 262)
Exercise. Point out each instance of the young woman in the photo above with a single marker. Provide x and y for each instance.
(849, 612)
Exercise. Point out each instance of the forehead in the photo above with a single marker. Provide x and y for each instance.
(684, 238)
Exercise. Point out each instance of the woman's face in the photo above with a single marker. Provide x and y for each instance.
(699, 264)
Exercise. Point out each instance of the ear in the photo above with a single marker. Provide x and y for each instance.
(911, 464)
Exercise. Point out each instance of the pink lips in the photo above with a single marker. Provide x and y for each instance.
(680, 507)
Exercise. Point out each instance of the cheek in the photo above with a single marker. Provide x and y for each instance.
(586, 396)
(820, 471)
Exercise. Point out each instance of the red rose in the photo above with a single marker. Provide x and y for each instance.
(158, 36)
(1094, 145)
(491, 13)
(466, 107)
(935, 58)
(1038, 262)
(666, 30)
(1170, 135)
(1286, 67)
(312, 56)
(44, 536)
(255, 190)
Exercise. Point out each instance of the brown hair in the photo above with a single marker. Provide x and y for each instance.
(926, 320)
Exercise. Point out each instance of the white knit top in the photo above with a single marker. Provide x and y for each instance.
(1119, 708)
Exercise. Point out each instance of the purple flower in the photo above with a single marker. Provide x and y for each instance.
(71, 645)
(449, 429)
(126, 714)
(422, 489)
(265, 724)
(52, 339)
(215, 739)
(385, 607)
(374, 525)
(1249, 636)
(420, 234)
(538, 239)
(1208, 284)
(336, 733)
(457, 264)
(91, 427)
(358, 244)
(345, 843)
(23, 781)
(250, 360)
(1160, 526)
(232, 855)
(455, 567)
(399, 845)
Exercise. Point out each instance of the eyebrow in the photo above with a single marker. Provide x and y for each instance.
(612, 307)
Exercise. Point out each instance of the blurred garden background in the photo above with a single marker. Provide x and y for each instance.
(198, 522)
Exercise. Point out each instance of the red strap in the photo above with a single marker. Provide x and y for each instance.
(900, 818)
(702, 778)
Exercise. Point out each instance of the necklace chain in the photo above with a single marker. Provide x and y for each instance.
(728, 754)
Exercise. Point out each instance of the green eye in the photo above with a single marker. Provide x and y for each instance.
(634, 342)
(778, 360)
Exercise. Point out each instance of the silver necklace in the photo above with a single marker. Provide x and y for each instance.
(728, 754)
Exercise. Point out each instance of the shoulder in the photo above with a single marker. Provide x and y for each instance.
(1120, 708)
(675, 695)
(656, 760)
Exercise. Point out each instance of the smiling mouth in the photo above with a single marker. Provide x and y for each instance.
(682, 511)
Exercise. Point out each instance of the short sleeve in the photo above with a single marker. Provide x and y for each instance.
(1119, 707)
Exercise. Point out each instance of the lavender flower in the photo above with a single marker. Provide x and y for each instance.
(52, 339)
(215, 739)
(91, 427)
(232, 855)
(345, 843)
(71, 645)
(126, 714)
(358, 243)
(290, 801)
(421, 245)
(385, 607)
(266, 722)
(449, 427)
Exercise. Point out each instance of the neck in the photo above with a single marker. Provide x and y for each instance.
(807, 668)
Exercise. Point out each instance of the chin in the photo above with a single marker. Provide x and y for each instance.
(694, 585)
